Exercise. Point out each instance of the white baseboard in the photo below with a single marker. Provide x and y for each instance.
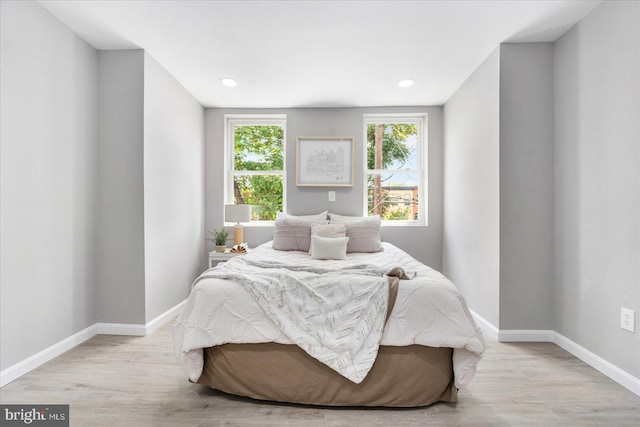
(487, 328)
(162, 319)
(138, 330)
(618, 375)
(38, 359)
(130, 329)
(42, 357)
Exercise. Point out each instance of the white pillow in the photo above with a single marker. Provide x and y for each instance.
(322, 216)
(329, 247)
(329, 230)
(341, 219)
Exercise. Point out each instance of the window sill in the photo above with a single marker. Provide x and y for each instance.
(403, 224)
(257, 224)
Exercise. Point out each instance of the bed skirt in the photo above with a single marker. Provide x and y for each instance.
(401, 376)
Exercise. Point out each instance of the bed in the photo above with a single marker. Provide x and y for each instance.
(282, 326)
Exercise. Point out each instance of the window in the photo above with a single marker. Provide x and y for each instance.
(395, 167)
(255, 159)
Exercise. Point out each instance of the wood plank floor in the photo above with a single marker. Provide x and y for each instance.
(134, 381)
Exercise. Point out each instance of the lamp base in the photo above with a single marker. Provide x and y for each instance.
(238, 234)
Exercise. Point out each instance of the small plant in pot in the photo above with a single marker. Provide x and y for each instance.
(219, 239)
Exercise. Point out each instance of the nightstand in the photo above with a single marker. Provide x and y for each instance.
(216, 257)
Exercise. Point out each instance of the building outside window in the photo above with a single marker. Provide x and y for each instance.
(395, 167)
(255, 163)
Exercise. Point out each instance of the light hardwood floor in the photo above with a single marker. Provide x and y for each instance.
(132, 381)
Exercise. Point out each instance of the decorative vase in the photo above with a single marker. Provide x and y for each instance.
(221, 248)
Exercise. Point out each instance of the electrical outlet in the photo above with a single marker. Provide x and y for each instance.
(332, 196)
(628, 319)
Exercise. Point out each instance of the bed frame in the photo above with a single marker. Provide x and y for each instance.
(401, 376)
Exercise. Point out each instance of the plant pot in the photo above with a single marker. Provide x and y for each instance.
(221, 248)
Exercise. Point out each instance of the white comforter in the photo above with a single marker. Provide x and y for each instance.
(428, 311)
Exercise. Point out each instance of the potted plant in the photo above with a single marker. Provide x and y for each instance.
(219, 239)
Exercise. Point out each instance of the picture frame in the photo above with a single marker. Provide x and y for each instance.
(324, 162)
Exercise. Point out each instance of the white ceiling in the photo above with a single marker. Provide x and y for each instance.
(318, 53)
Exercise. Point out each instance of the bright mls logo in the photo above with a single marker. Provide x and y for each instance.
(35, 415)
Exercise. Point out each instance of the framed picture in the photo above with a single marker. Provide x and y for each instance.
(324, 162)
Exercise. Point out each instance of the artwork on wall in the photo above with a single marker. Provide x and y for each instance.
(324, 162)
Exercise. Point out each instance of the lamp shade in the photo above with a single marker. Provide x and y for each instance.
(237, 213)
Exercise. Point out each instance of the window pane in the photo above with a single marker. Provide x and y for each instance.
(393, 196)
(263, 192)
(258, 147)
(399, 148)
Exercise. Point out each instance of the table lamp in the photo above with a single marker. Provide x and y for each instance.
(237, 214)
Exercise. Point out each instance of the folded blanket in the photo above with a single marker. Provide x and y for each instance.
(394, 275)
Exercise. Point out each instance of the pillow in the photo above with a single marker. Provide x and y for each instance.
(329, 230)
(322, 216)
(329, 247)
(341, 219)
(293, 234)
(364, 236)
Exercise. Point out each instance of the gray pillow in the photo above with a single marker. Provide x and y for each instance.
(364, 236)
(329, 230)
(293, 234)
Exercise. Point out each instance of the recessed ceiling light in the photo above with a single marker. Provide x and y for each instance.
(227, 81)
(405, 83)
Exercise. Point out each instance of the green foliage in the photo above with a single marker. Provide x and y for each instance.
(219, 237)
(263, 192)
(259, 148)
(397, 213)
(394, 148)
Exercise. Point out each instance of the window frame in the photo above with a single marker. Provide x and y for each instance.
(421, 121)
(232, 120)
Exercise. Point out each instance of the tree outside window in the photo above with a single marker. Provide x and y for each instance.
(394, 168)
(258, 167)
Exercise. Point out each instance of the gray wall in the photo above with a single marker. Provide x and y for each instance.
(499, 187)
(151, 189)
(422, 242)
(597, 182)
(563, 136)
(526, 186)
(121, 275)
(48, 154)
(98, 151)
(471, 240)
(173, 189)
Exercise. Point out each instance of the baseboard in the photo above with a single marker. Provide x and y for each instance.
(618, 375)
(129, 329)
(137, 330)
(19, 369)
(487, 328)
(162, 319)
(42, 357)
